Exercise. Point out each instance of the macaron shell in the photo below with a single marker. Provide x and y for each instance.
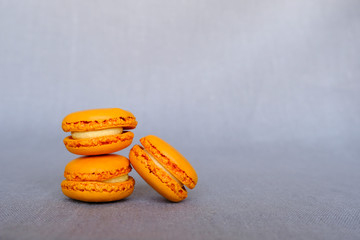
(97, 191)
(99, 145)
(97, 168)
(171, 159)
(155, 177)
(96, 119)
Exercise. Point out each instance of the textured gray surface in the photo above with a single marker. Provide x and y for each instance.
(261, 96)
(259, 192)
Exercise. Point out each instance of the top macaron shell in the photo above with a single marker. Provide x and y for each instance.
(171, 159)
(97, 168)
(97, 119)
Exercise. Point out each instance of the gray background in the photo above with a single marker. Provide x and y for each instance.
(262, 97)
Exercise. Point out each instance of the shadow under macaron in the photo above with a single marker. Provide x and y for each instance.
(74, 201)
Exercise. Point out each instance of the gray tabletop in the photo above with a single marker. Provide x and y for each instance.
(271, 191)
(262, 97)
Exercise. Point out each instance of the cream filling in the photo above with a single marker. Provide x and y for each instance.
(162, 167)
(97, 133)
(122, 178)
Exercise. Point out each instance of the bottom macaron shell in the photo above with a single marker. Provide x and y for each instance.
(155, 177)
(99, 145)
(97, 191)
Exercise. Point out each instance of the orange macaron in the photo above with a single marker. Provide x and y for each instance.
(98, 131)
(163, 168)
(98, 178)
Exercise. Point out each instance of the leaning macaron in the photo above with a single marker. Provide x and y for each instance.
(98, 131)
(163, 168)
(98, 178)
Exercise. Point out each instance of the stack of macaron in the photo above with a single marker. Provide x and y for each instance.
(101, 176)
